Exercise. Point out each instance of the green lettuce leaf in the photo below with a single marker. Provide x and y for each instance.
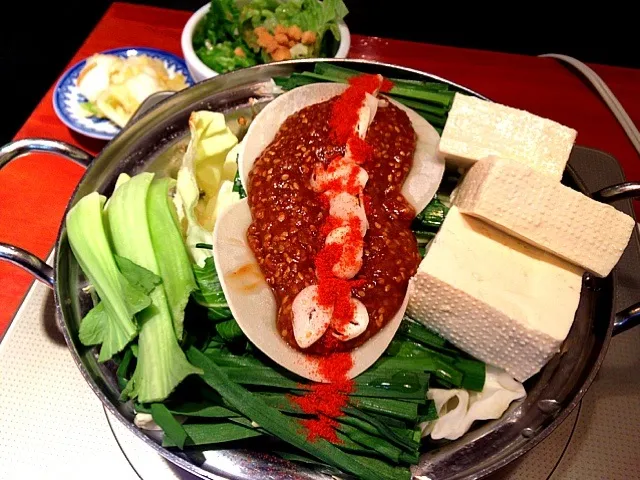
(219, 24)
(318, 17)
(221, 57)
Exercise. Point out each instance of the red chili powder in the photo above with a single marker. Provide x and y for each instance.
(366, 82)
(326, 400)
(325, 260)
(387, 85)
(344, 114)
(314, 401)
(344, 111)
(343, 309)
(338, 185)
(360, 150)
(321, 427)
(333, 186)
(335, 369)
(352, 187)
(330, 224)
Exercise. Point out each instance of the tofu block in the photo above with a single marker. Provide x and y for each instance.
(545, 213)
(497, 298)
(477, 129)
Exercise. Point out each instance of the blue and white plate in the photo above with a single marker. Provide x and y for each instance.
(67, 98)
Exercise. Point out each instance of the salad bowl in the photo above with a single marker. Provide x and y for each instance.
(152, 142)
(200, 71)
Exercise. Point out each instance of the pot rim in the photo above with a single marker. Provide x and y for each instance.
(131, 132)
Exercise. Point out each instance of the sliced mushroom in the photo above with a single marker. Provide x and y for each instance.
(342, 170)
(346, 206)
(350, 261)
(310, 319)
(357, 326)
(366, 114)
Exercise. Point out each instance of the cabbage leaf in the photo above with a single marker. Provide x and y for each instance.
(205, 180)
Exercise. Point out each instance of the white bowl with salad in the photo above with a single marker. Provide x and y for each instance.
(226, 35)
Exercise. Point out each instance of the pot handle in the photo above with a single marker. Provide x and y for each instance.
(16, 149)
(621, 191)
(626, 319)
(28, 262)
(629, 317)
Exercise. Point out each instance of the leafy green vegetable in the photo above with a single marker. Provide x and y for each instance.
(280, 425)
(428, 412)
(195, 409)
(220, 23)
(261, 376)
(170, 251)
(172, 429)
(474, 373)
(221, 57)
(209, 292)
(382, 428)
(111, 323)
(225, 40)
(258, 13)
(237, 185)
(96, 329)
(161, 363)
(137, 275)
(217, 37)
(213, 433)
(449, 365)
(387, 406)
(428, 222)
(122, 374)
(419, 333)
(229, 330)
(374, 443)
(313, 15)
(90, 109)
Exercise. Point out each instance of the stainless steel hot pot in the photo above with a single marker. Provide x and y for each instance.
(152, 141)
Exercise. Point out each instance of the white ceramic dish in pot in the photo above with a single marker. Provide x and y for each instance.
(199, 71)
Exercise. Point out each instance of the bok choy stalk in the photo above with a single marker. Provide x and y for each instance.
(161, 363)
(173, 262)
(111, 323)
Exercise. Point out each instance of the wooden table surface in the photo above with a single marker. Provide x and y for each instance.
(34, 190)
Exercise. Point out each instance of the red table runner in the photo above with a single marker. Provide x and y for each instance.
(34, 190)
